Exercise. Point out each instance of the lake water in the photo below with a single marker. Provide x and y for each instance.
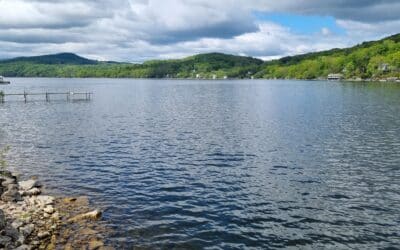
(219, 164)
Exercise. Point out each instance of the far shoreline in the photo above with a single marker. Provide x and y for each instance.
(216, 80)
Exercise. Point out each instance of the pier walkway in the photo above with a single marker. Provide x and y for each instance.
(69, 96)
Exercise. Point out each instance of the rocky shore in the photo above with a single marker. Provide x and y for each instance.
(32, 220)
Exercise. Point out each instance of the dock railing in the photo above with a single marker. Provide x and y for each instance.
(69, 96)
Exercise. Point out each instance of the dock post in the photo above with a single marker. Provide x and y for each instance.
(25, 96)
(47, 97)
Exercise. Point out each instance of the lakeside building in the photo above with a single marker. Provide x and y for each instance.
(335, 77)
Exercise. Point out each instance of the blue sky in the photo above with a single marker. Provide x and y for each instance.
(139, 30)
(301, 23)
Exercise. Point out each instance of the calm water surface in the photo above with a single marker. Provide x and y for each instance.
(219, 164)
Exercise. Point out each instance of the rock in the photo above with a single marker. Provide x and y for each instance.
(31, 192)
(17, 224)
(7, 181)
(23, 247)
(2, 220)
(11, 232)
(21, 239)
(44, 200)
(49, 209)
(82, 201)
(42, 235)
(12, 186)
(55, 216)
(5, 241)
(29, 184)
(27, 230)
(95, 244)
(94, 215)
(11, 195)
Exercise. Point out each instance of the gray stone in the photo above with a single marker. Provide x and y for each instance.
(49, 209)
(27, 230)
(21, 239)
(17, 224)
(7, 181)
(31, 192)
(44, 200)
(42, 235)
(12, 186)
(11, 195)
(12, 232)
(23, 247)
(93, 215)
(29, 184)
(5, 241)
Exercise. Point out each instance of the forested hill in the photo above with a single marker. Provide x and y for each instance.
(212, 65)
(375, 60)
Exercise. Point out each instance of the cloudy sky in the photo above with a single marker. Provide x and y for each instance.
(138, 30)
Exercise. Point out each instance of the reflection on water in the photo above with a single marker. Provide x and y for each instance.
(219, 164)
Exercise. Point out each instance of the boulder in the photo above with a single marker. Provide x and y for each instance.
(93, 215)
(28, 184)
(11, 195)
(31, 192)
(7, 181)
(27, 230)
(42, 235)
(11, 232)
(5, 241)
(49, 209)
(23, 247)
(17, 224)
(44, 200)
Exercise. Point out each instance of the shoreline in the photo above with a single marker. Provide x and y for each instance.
(355, 80)
(32, 220)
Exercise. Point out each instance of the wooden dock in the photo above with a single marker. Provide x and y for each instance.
(69, 96)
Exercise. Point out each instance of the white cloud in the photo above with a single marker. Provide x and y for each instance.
(136, 30)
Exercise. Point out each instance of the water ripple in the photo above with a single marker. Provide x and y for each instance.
(220, 165)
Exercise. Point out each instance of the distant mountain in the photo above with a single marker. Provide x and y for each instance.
(61, 58)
